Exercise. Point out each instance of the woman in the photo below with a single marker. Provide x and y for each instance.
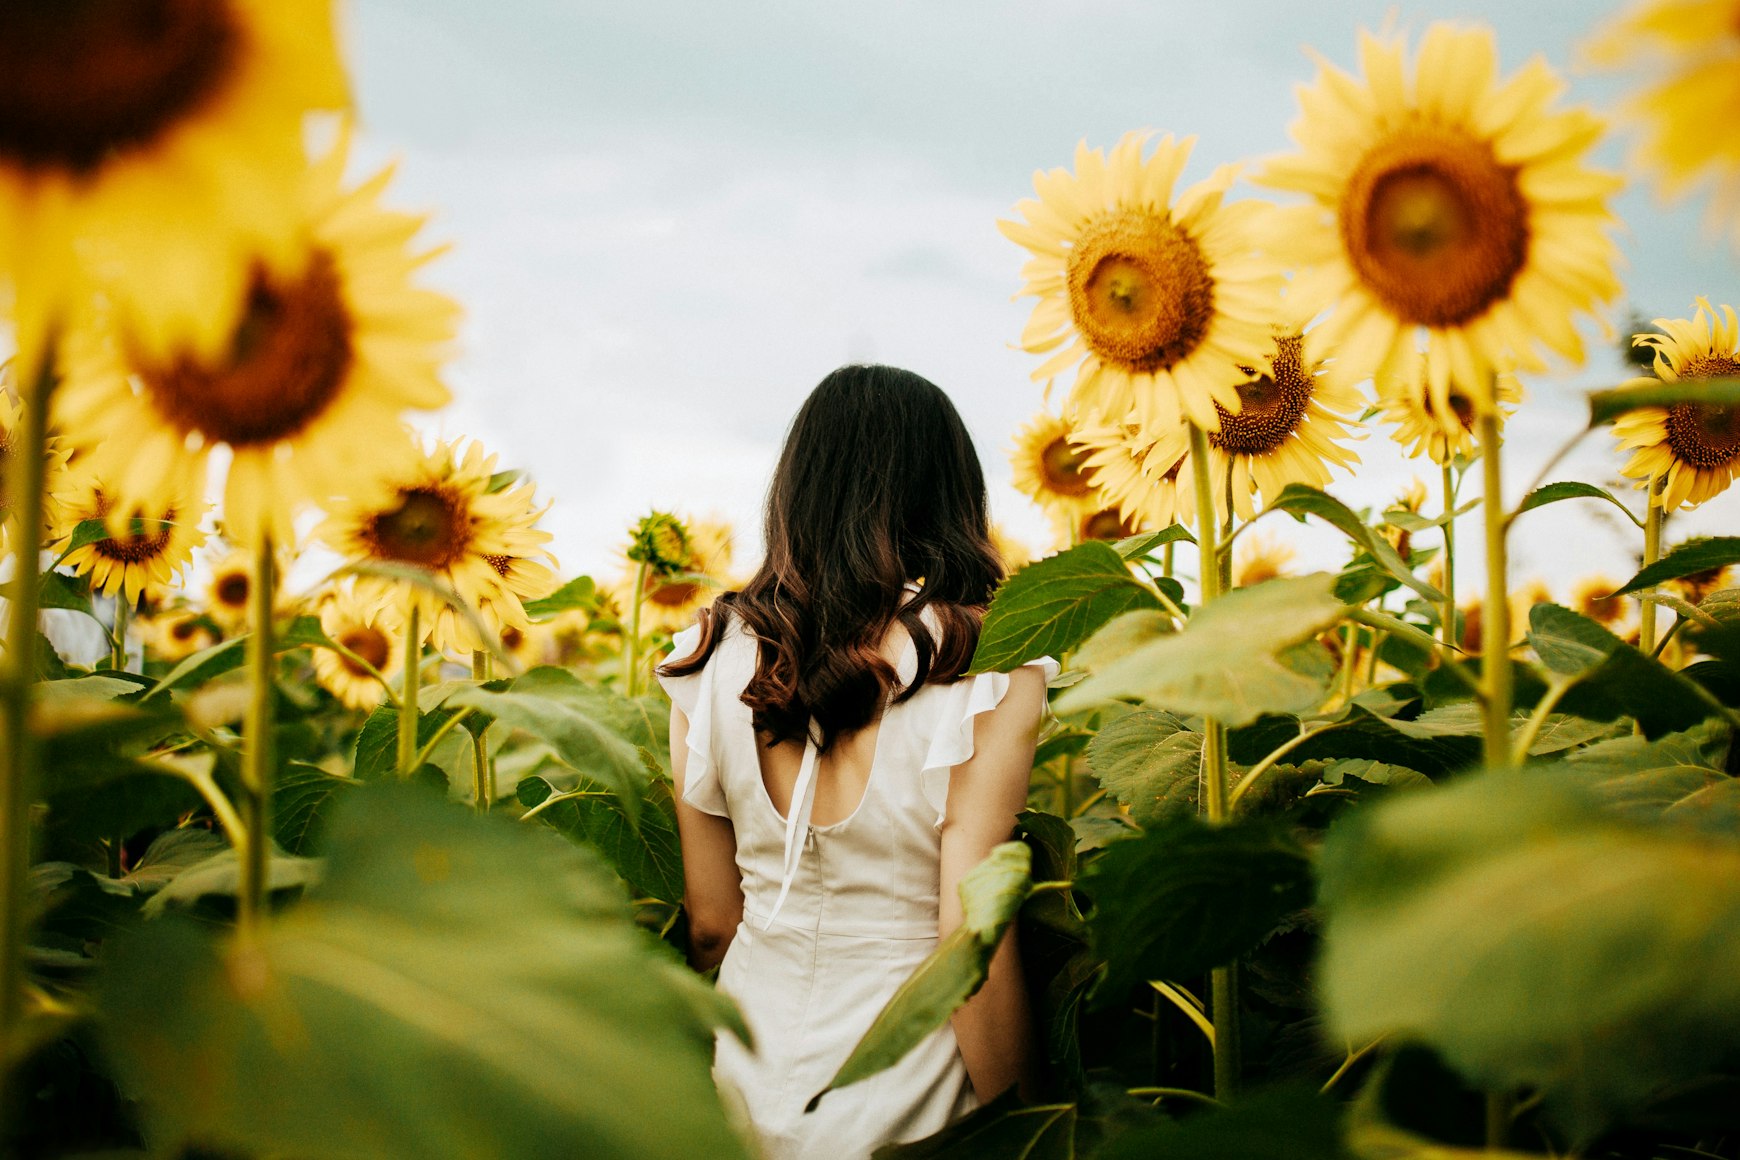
(836, 774)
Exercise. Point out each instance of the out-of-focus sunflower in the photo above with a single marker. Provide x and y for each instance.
(671, 600)
(147, 556)
(1440, 432)
(1158, 300)
(1048, 470)
(1108, 523)
(441, 516)
(1591, 596)
(1521, 600)
(1695, 445)
(1149, 489)
(1289, 428)
(1691, 51)
(152, 149)
(55, 455)
(176, 633)
(1261, 558)
(307, 389)
(226, 597)
(1412, 499)
(348, 620)
(1015, 554)
(1447, 204)
(530, 646)
(1698, 585)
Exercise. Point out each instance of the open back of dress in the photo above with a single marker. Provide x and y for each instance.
(811, 970)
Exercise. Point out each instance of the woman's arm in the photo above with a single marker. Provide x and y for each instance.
(995, 1027)
(712, 888)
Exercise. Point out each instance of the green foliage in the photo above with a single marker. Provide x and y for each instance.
(1006, 1127)
(1292, 1123)
(647, 856)
(1606, 406)
(579, 593)
(402, 1008)
(1051, 607)
(1301, 500)
(1701, 555)
(991, 894)
(1535, 939)
(1184, 897)
(1230, 662)
(1610, 678)
(1571, 489)
(1151, 762)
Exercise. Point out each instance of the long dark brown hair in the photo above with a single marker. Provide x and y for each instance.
(878, 485)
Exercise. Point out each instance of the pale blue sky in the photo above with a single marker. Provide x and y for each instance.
(671, 219)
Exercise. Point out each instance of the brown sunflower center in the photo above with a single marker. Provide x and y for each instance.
(184, 630)
(1704, 435)
(1271, 406)
(369, 643)
(287, 362)
(232, 590)
(1140, 290)
(1062, 466)
(512, 638)
(80, 79)
(502, 564)
(1434, 226)
(1463, 407)
(428, 528)
(145, 541)
(671, 593)
(1107, 524)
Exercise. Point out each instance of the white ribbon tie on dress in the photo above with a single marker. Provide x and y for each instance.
(797, 823)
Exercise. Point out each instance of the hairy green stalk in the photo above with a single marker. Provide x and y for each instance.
(1653, 523)
(482, 765)
(631, 646)
(1496, 678)
(257, 757)
(407, 752)
(1223, 981)
(1448, 628)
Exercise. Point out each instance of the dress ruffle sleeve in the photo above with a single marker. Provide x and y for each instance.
(694, 695)
(952, 743)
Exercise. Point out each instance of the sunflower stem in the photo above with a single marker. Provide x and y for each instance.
(1448, 627)
(118, 635)
(1496, 677)
(18, 746)
(1166, 559)
(408, 691)
(482, 765)
(1654, 521)
(1223, 981)
(631, 647)
(257, 756)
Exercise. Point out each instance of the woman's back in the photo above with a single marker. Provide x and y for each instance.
(835, 915)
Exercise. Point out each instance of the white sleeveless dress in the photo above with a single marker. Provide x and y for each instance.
(835, 917)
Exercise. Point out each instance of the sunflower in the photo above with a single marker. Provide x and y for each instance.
(530, 646)
(1411, 499)
(1015, 554)
(1048, 470)
(441, 516)
(1289, 427)
(1592, 596)
(1158, 300)
(177, 633)
(348, 621)
(1695, 445)
(55, 458)
(1451, 204)
(146, 556)
(226, 597)
(1149, 489)
(1440, 431)
(1698, 585)
(163, 137)
(308, 391)
(1693, 49)
(669, 602)
(1261, 558)
(1108, 523)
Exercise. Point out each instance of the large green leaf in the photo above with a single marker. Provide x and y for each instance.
(1007, 1129)
(595, 733)
(1049, 608)
(1700, 555)
(1184, 897)
(302, 801)
(59, 590)
(1292, 1123)
(649, 859)
(1613, 678)
(1571, 489)
(1229, 662)
(1535, 939)
(1150, 761)
(1681, 777)
(1302, 500)
(377, 742)
(991, 894)
(455, 987)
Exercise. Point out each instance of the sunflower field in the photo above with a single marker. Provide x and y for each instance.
(1385, 862)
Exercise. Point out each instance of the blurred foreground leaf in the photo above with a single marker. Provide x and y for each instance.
(1535, 939)
(454, 987)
